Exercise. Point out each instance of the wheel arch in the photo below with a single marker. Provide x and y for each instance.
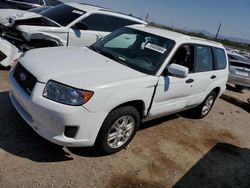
(139, 105)
(217, 91)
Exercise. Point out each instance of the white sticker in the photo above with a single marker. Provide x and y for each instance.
(77, 12)
(156, 48)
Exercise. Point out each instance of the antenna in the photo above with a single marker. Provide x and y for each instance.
(218, 31)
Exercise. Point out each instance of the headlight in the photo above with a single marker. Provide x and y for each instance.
(66, 94)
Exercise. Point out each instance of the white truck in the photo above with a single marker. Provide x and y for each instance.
(100, 94)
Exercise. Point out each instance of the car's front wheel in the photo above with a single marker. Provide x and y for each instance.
(118, 129)
(204, 108)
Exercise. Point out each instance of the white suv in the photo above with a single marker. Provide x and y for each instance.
(82, 96)
(70, 24)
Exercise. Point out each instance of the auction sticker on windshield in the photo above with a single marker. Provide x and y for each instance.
(156, 48)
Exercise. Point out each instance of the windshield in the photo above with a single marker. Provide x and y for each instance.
(139, 50)
(63, 14)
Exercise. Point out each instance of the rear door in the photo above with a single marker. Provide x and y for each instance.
(204, 76)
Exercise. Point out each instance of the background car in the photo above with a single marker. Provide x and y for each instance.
(27, 4)
(239, 71)
(70, 24)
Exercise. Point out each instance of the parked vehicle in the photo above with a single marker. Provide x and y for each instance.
(70, 24)
(239, 71)
(81, 96)
(27, 4)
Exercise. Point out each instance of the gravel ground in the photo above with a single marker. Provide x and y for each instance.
(174, 151)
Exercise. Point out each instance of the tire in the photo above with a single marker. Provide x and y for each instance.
(204, 108)
(239, 87)
(118, 129)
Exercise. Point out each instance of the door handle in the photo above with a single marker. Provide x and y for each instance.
(189, 81)
(213, 77)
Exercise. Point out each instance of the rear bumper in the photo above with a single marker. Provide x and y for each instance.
(239, 80)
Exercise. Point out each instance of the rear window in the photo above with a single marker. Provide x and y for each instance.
(220, 57)
(63, 14)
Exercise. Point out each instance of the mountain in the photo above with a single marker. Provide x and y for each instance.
(235, 39)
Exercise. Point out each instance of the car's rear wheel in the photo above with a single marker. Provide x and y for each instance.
(204, 108)
(239, 87)
(118, 129)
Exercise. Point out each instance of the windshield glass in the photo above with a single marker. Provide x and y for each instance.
(63, 14)
(139, 50)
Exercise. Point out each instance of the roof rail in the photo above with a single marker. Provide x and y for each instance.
(206, 40)
(110, 10)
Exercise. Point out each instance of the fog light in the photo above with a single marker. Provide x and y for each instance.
(70, 131)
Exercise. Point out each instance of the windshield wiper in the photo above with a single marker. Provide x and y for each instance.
(113, 56)
(109, 55)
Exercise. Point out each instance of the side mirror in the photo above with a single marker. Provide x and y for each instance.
(178, 70)
(81, 26)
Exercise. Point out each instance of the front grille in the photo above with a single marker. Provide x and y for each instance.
(2, 56)
(25, 79)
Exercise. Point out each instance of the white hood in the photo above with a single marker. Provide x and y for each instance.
(74, 66)
(9, 16)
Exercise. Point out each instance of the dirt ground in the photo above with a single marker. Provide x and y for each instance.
(174, 151)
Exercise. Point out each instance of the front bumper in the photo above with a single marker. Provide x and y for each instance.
(9, 51)
(49, 118)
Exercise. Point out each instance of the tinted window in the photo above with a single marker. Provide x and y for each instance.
(204, 59)
(95, 22)
(63, 14)
(28, 1)
(114, 23)
(220, 58)
(100, 22)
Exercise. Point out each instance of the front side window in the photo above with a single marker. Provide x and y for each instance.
(185, 56)
(144, 52)
(63, 14)
(204, 59)
(220, 58)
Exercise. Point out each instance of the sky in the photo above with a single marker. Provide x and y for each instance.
(189, 14)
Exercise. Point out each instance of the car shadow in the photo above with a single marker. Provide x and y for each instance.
(95, 152)
(237, 102)
(2, 68)
(224, 165)
(231, 88)
(17, 138)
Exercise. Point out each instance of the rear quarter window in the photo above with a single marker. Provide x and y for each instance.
(220, 58)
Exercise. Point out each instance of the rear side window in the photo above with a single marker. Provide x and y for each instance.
(114, 23)
(95, 22)
(204, 59)
(100, 22)
(220, 58)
